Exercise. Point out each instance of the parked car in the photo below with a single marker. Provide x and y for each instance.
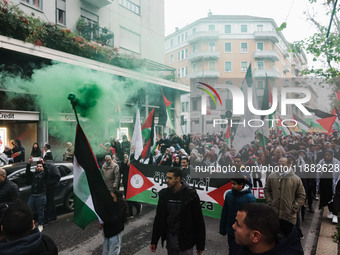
(64, 192)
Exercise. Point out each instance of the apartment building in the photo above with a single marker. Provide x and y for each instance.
(218, 49)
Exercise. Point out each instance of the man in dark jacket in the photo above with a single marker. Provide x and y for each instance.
(179, 218)
(37, 199)
(9, 193)
(52, 184)
(20, 235)
(259, 231)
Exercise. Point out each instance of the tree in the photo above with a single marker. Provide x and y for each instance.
(324, 46)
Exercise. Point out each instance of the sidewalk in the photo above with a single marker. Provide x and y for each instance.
(325, 243)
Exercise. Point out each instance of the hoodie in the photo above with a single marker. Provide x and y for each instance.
(33, 244)
(232, 203)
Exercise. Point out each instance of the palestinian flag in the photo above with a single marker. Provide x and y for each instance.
(137, 140)
(284, 130)
(146, 128)
(92, 199)
(327, 123)
(151, 143)
(263, 140)
(165, 113)
(227, 135)
(337, 95)
(303, 126)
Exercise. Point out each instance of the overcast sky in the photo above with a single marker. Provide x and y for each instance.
(179, 13)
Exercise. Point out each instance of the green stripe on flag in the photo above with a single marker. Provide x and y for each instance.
(83, 214)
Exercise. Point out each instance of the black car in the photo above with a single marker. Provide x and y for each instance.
(64, 192)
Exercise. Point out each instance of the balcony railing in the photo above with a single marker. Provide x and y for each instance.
(207, 35)
(286, 68)
(271, 73)
(204, 74)
(98, 3)
(267, 35)
(203, 55)
(266, 54)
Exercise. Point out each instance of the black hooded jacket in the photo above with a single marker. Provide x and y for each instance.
(181, 213)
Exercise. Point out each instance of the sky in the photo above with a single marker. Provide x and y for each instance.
(179, 13)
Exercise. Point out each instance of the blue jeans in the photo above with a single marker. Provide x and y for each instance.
(112, 245)
(37, 204)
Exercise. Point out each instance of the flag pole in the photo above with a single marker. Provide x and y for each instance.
(74, 102)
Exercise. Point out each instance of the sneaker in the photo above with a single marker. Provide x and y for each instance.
(140, 210)
(330, 215)
(131, 217)
(335, 219)
(40, 227)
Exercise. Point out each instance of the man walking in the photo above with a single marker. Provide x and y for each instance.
(284, 192)
(179, 218)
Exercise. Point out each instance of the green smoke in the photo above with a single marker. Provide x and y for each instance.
(101, 96)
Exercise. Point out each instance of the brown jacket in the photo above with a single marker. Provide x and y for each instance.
(285, 195)
(111, 175)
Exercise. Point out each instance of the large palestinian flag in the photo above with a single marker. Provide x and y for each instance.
(146, 180)
(92, 199)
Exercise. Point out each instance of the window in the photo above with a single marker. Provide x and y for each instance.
(244, 28)
(182, 54)
(183, 72)
(229, 101)
(194, 105)
(179, 73)
(212, 46)
(182, 37)
(171, 42)
(178, 56)
(186, 53)
(61, 17)
(194, 48)
(259, 45)
(227, 29)
(244, 47)
(212, 104)
(227, 47)
(194, 30)
(244, 65)
(259, 27)
(212, 65)
(227, 66)
(260, 84)
(93, 20)
(130, 6)
(260, 65)
(211, 27)
(183, 107)
(171, 59)
(194, 67)
(186, 106)
(35, 3)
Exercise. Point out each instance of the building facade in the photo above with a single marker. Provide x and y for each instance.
(133, 27)
(218, 49)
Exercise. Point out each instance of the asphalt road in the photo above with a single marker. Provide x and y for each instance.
(71, 239)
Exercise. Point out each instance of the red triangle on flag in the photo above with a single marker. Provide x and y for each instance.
(219, 193)
(327, 123)
(337, 95)
(148, 121)
(166, 101)
(137, 182)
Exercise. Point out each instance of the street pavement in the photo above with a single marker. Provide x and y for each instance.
(71, 239)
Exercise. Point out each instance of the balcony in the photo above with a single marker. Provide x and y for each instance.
(286, 68)
(207, 35)
(285, 53)
(267, 54)
(272, 73)
(98, 3)
(203, 55)
(204, 74)
(267, 35)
